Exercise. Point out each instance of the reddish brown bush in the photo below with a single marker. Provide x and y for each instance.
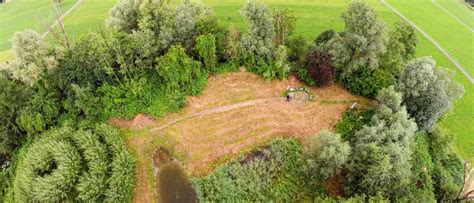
(318, 64)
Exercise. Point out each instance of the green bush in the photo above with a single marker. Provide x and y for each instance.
(273, 172)
(367, 82)
(212, 25)
(324, 37)
(421, 168)
(352, 121)
(206, 49)
(297, 48)
(65, 164)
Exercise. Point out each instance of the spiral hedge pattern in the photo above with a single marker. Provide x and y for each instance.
(83, 165)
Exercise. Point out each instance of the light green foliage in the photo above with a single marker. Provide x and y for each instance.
(156, 21)
(65, 164)
(32, 57)
(232, 43)
(124, 16)
(325, 156)
(362, 41)
(381, 150)
(352, 121)
(187, 15)
(206, 48)
(212, 25)
(40, 112)
(269, 173)
(428, 92)
(400, 48)
(179, 72)
(285, 21)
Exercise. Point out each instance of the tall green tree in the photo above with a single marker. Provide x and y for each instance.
(124, 16)
(362, 41)
(156, 22)
(187, 15)
(325, 156)
(381, 150)
(33, 56)
(400, 48)
(428, 92)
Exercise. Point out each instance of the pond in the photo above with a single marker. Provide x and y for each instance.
(173, 184)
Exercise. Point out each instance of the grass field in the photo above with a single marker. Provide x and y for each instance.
(458, 10)
(18, 15)
(318, 15)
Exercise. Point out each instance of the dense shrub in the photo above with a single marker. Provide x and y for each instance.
(319, 67)
(352, 121)
(156, 22)
(324, 37)
(270, 173)
(179, 72)
(368, 82)
(206, 49)
(428, 92)
(448, 168)
(187, 15)
(325, 156)
(232, 43)
(212, 25)
(421, 168)
(13, 97)
(65, 164)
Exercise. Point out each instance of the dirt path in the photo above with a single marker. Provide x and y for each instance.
(439, 47)
(216, 110)
(56, 23)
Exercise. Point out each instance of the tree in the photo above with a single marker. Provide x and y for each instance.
(285, 21)
(124, 16)
(319, 67)
(428, 92)
(324, 37)
(32, 56)
(156, 22)
(400, 48)
(381, 150)
(187, 15)
(258, 42)
(362, 41)
(206, 48)
(326, 155)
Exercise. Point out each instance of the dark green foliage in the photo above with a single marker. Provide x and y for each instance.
(421, 169)
(324, 37)
(400, 48)
(13, 97)
(367, 82)
(83, 165)
(179, 72)
(41, 111)
(448, 168)
(285, 21)
(297, 48)
(138, 96)
(270, 173)
(206, 49)
(352, 121)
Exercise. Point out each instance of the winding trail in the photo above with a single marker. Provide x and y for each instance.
(56, 23)
(217, 110)
(439, 47)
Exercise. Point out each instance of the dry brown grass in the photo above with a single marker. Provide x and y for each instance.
(202, 141)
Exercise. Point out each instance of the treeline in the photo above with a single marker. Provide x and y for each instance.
(152, 55)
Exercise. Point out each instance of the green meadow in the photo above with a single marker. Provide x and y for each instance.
(314, 16)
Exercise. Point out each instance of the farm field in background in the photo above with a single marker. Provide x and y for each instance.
(316, 16)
